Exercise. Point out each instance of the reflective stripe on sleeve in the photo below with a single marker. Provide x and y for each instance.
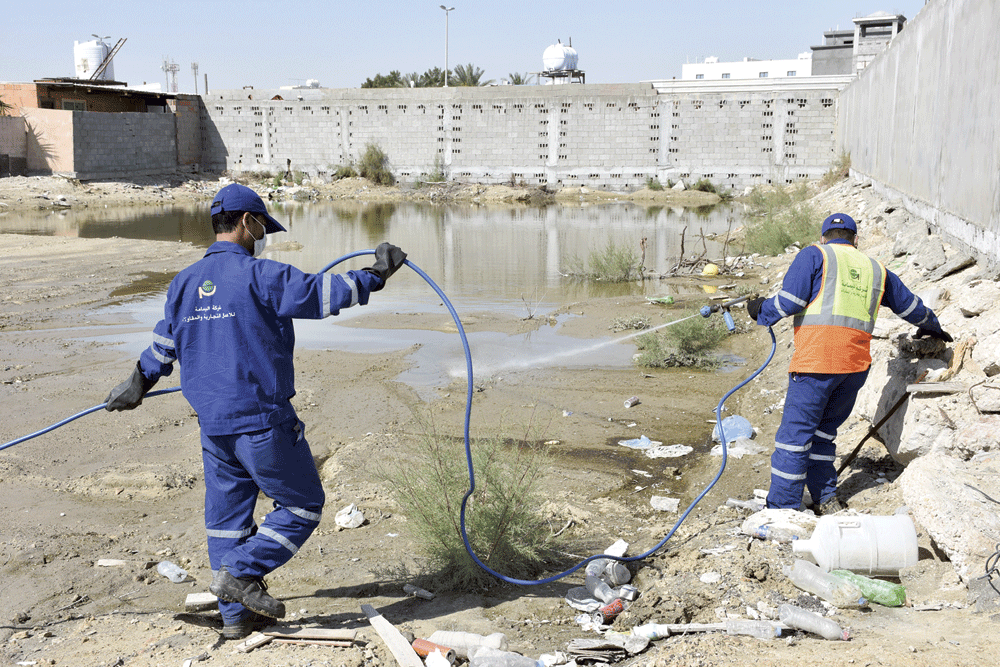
(326, 289)
(777, 305)
(822, 457)
(825, 436)
(913, 305)
(794, 299)
(164, 342)
(280, 539)
(353, 286)
(163, 359)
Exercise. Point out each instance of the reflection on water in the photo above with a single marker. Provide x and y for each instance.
(499, 258)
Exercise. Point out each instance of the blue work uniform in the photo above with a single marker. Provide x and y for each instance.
(817, 404)
(228, 321)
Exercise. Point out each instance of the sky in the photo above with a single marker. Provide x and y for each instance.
(340, 44)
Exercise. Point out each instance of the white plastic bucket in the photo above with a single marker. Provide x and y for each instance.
(862, 543)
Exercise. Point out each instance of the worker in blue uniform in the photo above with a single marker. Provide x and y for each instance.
(228, 322)
(834, 292)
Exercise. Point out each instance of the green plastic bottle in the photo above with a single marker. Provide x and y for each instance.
(881, 592)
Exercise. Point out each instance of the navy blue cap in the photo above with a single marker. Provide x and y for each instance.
(236, 197)
(839, 221)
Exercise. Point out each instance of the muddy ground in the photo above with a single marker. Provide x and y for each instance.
(127, 487)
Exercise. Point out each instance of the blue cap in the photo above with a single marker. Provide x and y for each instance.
(236, 197)
(839, 221)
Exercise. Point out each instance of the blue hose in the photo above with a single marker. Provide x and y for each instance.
(468, 448)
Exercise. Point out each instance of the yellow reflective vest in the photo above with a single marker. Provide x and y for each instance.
(833, 334)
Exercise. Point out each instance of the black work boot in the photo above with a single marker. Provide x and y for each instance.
(251, 592)
(243, 627)
(830, 506)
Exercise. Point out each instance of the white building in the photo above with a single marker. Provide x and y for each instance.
(748, 68)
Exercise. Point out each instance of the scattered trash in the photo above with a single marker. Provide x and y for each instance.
(349, 517)
(631, 401)
(862, 543)
(463, 642)
(416, 591)
(739, 447)
(710, 270)
(710, 578)
(774, 533)
(668, 451)
(486, 656)
(608, 613)
(109, 562)
(731, 626)
(664, 504)
(881, 592)
(666, 300)
(833, 589)
(754, 505)
(436, 659)
(798, 523)
(802, 619)
(608, 649)
(734, 427)
(579, 598)
(200, 602)
(642, 442)
(425, 649)
(171, 571)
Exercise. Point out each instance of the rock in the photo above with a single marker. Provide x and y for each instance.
(986, 398)
(679, 185)
(947, 499)
(927, 254)
(935, 298)
(930, 582)
(976, 300)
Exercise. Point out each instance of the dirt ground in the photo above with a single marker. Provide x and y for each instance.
(87, 510)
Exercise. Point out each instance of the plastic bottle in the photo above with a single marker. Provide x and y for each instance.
(596, 567)
(484, 656)
(802, 619)
(754, 505)
(652, 630)
(833, 589)
(774, 533)
(171, 571)
(617, 573)
(599, 589)
(884, 593)
(759, 629)
(463, 642)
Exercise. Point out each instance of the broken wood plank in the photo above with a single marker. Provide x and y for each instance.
(326, 634)
(253, 642)
(312, 642)
(394, 640)
(200, 602)
(937, 388)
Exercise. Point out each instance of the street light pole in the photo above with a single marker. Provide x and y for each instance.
(447, 10)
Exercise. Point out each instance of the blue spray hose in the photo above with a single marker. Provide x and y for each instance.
(468, 448)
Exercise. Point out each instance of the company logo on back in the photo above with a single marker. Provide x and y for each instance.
(207, 288)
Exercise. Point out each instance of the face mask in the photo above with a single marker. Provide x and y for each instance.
(258, 243)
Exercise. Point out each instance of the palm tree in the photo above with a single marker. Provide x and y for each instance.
(5, 108)
(518, 79)
(432, 78)
(469, 75)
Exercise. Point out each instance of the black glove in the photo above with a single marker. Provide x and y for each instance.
(943, 335)
(753, 307)
(128, 395)
(388, 259)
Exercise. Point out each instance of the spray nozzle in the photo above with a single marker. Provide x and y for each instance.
(706, 311)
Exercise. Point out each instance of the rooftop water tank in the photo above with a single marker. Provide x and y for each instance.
(88, 56)
(559, 57)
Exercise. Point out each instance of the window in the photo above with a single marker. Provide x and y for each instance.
(791, 72)
(725, 75)
(74, 105)
(699, 76)
(762, 75)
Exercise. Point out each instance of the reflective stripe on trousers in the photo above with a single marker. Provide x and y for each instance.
(815, 406)
(276, 461)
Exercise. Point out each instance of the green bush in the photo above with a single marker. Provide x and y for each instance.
(502, 516)
(686, 343)
(298, 177)
(436, 176)
(838, 171)
(796, 225)
(654, 183)
(613, 263)
(705, 185)
(374, 165)
(344, 171)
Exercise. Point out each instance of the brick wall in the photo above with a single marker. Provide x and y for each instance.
(187, 112)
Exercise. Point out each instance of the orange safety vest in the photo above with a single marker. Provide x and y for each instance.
(833, 334)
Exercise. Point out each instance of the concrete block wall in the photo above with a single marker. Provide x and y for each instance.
(920, 121)
(109, 145)
(49, 135)
(605, 136)
(187, 116)
(13, 146)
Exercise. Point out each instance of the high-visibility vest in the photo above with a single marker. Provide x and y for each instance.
(833, 334)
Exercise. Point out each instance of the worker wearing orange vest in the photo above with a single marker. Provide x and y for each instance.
(834, 291)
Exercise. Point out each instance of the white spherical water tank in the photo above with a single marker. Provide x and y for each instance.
(559, 57)
(88, 56)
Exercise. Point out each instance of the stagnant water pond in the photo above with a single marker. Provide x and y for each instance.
(499, 258)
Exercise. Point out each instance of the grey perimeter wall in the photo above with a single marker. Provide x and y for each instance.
(109, 145)
(921, 121)
(735, 134)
